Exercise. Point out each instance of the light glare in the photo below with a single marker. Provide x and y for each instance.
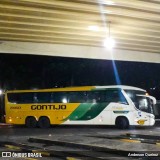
(107, 2)
(64, 100)
(109, 43)
(93, 28)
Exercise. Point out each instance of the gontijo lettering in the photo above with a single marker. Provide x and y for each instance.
(48, 107)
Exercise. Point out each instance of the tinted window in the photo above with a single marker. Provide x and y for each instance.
(106, 96)
(114, 96)
(43, 97)
(59, 97)
(68, 97)
(77, 97)
(94, 96)
(21, 97)
(109, 96)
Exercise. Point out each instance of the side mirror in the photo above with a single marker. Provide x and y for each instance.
(153, 99)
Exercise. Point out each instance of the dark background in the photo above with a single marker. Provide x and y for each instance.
(32, 71)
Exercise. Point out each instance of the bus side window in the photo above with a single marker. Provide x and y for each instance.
(77, 97)
(59, 97)
(12, 97)
(21, 98)
(35, 100)
(106, 96)
(43, 97)
(52, 98)
(27, 97)
(93, 96)
(114, 96)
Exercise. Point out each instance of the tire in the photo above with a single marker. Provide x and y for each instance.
(122, 123)
(44, 122)
(31, 122)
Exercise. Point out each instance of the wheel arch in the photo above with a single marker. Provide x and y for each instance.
(121, 116)
(44, 122)
(31, 116)
(31, 122)
(122, 122)
(42, 117)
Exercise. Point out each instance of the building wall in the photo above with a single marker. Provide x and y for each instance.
(77, 51)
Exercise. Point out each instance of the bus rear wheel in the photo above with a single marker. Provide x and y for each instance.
(31, 122)
(122, 123)
(44, 122)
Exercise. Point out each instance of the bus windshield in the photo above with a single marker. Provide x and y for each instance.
(141, 101)
(144, 103)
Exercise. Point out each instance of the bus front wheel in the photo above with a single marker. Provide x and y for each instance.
(31, 122)
(122, 123)
(44, 122)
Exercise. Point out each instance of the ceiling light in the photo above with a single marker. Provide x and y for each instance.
(93, 28)
(108, 2)
(109, 43)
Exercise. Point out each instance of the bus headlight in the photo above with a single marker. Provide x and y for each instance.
(150, 116)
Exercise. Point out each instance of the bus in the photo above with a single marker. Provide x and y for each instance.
(117, 105)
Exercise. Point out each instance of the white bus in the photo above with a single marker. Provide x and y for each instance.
(88, 105)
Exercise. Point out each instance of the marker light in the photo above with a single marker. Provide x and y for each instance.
(10, 119)
(100, 120)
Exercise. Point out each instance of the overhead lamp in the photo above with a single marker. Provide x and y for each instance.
(109, 42)
(108, 2)
(93, 28)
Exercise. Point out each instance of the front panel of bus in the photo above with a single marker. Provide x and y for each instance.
(143, 108)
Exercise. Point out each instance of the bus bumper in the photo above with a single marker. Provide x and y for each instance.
(145, 122)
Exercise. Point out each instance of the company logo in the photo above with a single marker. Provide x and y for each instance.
(6, 154)
(48, 107)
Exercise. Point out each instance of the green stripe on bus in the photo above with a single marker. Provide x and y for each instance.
(87, 111)
(79, 111)
(94, 111)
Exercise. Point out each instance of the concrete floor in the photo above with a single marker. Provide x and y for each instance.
(85, 135)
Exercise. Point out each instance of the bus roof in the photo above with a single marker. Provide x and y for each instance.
(81, 88)
(125, 87)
